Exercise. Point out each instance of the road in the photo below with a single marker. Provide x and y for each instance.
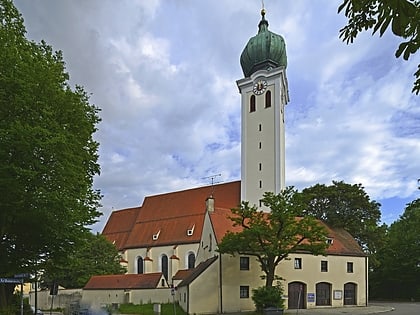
(406, 308)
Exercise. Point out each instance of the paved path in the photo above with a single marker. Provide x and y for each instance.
(356, 310)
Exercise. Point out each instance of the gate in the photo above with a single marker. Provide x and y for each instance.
(296, 294)
(350, 294)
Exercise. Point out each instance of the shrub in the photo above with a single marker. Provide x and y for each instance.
(264, 297)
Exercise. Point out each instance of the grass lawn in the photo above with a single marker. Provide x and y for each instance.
(147, 309)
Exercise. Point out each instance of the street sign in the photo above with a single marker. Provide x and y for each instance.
(10, 280)
(22, 275)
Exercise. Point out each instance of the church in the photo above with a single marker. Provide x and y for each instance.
(169, 243)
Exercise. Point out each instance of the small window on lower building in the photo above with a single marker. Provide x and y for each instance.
(298, 263)
(244, 292)
(350, 267)
(324, 266)
(244, 263)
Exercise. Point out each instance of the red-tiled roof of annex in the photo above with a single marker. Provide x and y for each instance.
(342, 242)
(182, 274)
(126, 281)
(119, 226)
(190, 277)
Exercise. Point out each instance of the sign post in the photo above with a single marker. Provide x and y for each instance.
(20, 277)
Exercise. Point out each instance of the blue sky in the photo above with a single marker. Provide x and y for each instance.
(164, 73)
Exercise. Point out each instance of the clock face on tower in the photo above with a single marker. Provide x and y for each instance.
(259, 87)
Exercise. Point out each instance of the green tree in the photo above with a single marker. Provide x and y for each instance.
(94, 256)
(272, 236)
(48, 157)
(402, 15)
(346, 206)
(398, 272)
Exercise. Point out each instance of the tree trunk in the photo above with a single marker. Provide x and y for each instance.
(270, 274)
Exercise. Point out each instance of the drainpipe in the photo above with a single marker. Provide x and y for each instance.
(220, 284)
(188, 298)
(366, 279)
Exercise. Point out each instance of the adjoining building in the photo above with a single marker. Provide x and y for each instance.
(169, 243)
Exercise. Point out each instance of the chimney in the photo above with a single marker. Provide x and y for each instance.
(210, 204)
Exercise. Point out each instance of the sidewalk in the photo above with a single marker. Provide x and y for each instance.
(352, 310)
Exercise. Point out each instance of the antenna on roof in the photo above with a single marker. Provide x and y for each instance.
(212, 178)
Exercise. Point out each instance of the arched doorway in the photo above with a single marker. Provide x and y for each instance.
(350, 290)
(323, 293)
(296, 294)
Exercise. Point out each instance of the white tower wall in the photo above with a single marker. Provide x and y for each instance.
(263, 136)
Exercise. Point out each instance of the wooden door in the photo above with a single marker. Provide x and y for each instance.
(350, 294)
(296, 294)
(323, 293)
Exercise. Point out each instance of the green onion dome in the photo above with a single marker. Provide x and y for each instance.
(266, 50)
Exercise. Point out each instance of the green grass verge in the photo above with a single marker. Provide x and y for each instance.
(147, 309)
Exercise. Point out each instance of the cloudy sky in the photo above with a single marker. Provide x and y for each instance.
(163, 73)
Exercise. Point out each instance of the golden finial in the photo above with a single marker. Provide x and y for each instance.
(262, 8)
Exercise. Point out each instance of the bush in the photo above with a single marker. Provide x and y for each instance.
(264, 297)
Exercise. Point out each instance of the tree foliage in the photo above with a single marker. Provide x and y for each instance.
(398, 273)
(402, 16)
(346, 206)
(272, 236)
(47, 154)
(94, 256)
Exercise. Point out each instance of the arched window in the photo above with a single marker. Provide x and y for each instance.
(191, 260)
(252, 104)
(164, 266)
(268, 99)
(140, 266)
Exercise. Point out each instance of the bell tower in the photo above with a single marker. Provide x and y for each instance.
(264, 94)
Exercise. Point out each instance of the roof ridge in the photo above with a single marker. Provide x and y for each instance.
(173, 217)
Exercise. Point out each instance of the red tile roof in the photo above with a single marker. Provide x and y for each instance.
(222, 224)
(169, 216)
(343, 243)
(191, 276)
(127, 281)
(189, 202)
(182, 274)
(119, 226)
